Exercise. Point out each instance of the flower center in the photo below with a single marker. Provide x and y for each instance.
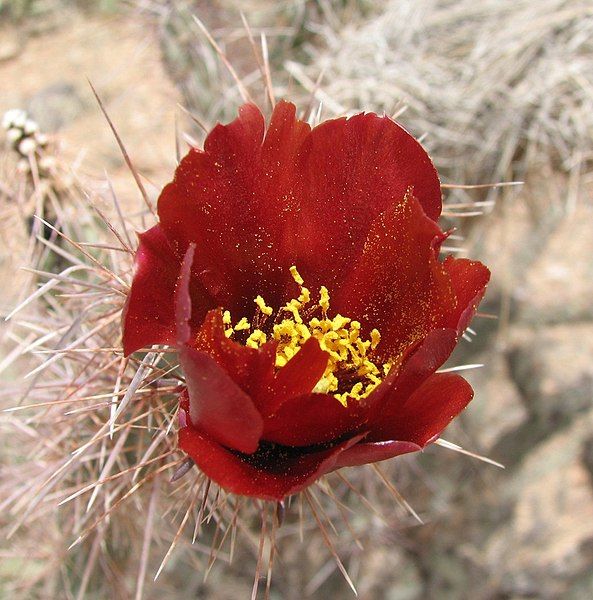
(350, 372)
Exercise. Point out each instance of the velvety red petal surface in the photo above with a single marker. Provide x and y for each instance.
(217, 405)
(469, 279)
(283, 476)
(352, 170)
(148, 316)
(420, 362)
(398, 285)
(182, 298)
(423, 415)
(297, 378)
(251, 369)
(313, 419)
(257, 202)
(149, 313)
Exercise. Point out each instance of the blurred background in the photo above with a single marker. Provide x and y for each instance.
(498, 91)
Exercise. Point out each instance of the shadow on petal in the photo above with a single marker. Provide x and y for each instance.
(284, 471)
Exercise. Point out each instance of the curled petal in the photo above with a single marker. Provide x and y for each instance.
(149, 313)
(148, 316)
(422, 361)
(217, 405)
(349, 172)
(364, 453)
(423, 415)
(469, 280)
(272, 474)
(214, 202)
(398, 284)
(182, 298)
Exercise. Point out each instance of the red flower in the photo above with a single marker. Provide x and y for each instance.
(285, 382)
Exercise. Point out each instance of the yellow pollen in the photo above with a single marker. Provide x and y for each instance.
(350, 374)
(296, 276)
(244, 324)
(375, 338)
(256, 339)
(267, 310)
(324, 299)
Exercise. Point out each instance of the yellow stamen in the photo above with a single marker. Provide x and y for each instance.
(226, 320)
(296, 276)
(256, 339)
(267, 310)
(350, 373)
(375, 338)
(242, 325)
(324, 299)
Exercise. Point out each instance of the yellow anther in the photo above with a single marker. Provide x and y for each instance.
(242, 325)
(226, 317)
(296, 276)
(293, 308)
(304, 296)
(339, 322)
(374, 379)
(375, 338)
(362, 347)
(303, 332)
(356, 389)
(267, 310)
(256, 339)
(324, 299)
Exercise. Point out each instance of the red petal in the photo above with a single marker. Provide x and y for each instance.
(255, 206)
(182, 298)
(424, 414)
(418, 364)
(214, 202)
(298, 377)
(281, 477)
(217, 405)
(148, 316)
(149, 313)
(422, 361)
(469, 279)
(313, 419)
(251, 369)
(364, 453)
(350, 171)
(398, 285)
